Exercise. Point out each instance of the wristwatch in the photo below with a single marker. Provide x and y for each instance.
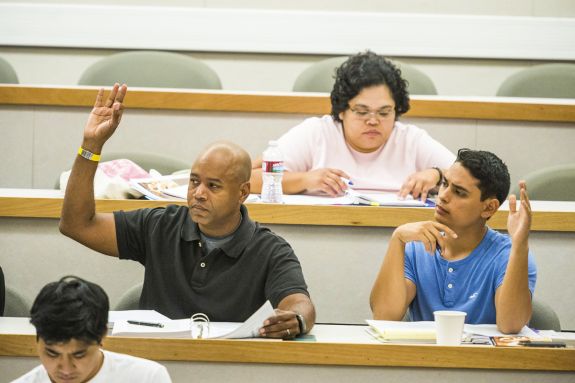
(301, 323)
(440, 176)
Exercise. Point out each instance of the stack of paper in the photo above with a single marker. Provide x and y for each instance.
(402, 332)
(424, 332)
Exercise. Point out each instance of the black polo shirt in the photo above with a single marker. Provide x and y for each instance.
(228, 284)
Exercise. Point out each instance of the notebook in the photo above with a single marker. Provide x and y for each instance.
(186, 328)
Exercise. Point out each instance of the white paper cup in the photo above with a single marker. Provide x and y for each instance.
(449, 327)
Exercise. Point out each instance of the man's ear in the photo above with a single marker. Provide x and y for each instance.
(245, 191)
(490, 206)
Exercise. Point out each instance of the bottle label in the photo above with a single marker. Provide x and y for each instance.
(272, 166)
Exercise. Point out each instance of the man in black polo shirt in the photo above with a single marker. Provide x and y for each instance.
(208, 257)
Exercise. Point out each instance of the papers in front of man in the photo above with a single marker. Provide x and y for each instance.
(354, 197)
(135, 315)
(173, 187)
(185, 328)
(424, 332)
(402, 332)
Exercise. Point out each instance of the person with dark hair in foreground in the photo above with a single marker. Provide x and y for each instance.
(362, 140)
(71, 320)
(207, 257)
(456, 262)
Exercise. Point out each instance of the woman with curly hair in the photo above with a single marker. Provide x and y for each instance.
(362, 139)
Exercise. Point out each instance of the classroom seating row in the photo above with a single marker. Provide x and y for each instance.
(174, 70)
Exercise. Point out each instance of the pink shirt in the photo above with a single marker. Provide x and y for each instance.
(318, 142)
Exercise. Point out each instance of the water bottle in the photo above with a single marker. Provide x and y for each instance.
(272, 173)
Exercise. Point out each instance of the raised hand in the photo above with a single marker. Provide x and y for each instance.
(325, 181)
(104, 118)
(430, 233)
(519, 221)
(419, 184)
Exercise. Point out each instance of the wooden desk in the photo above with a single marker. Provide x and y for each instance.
(39, 203)
(481, 108)
(336, 345)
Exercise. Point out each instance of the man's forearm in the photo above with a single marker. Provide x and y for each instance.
(79, 206)
(300, 304)
(389, 296)
(513, 298)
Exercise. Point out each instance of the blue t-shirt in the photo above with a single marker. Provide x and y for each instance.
(467, 284)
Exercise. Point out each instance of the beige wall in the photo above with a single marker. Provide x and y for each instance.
(544, 8)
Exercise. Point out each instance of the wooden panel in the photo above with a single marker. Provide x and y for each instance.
(292, 103)
(308, 353)
(362, 216)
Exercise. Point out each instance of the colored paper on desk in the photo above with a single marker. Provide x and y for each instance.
(402, 332)
(155, 188)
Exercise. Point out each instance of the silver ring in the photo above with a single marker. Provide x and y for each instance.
(288, 332)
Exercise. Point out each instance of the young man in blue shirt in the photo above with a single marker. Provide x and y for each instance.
(456, 262)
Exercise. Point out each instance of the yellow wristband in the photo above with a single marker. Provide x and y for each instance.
(88, 155)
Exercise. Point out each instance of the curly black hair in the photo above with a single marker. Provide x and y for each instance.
(364, 70)
(71, 308)
(490, 170)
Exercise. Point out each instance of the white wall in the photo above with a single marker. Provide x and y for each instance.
(545, 8)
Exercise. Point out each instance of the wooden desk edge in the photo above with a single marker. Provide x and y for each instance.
(287, 102)
(310, 353)
(354, 216)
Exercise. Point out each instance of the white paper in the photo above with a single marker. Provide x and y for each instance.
(153, 188)
(352, 198)
(178, 192)
(491, 330)
(137, 315)
(179, 328)
(251, 327)
(182, 328)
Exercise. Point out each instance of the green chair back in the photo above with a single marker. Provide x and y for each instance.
(544, 317)
(546, 81)
(151, 69)
(16, 305)
(7, 73)
(130, 300)
(147, 161)
(555, 183)
(320, 77)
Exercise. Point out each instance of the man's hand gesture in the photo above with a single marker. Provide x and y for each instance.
(104, 118)
(519, 221)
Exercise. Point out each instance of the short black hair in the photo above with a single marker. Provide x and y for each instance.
(71, 308)
(490, 170)
(365, 70)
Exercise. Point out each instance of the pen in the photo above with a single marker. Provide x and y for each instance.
(145, 323)
(346, 181)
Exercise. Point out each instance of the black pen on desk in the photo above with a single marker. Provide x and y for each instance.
(150, 324)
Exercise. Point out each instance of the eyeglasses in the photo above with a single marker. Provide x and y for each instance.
(366, 114)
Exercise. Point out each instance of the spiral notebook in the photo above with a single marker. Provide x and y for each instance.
(196, 329)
